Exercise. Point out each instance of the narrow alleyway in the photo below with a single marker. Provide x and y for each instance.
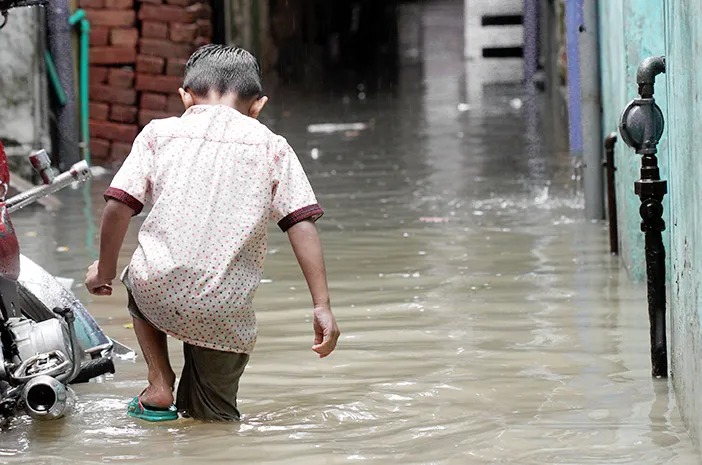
(483, 319)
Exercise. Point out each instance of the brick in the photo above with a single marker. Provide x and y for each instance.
(124, 37)
(182, 33)
(119, 4)
(154, 30)
(109, 94)
(201, 11)
(114, 131)
(92, 3)
(200, 41)
(146, 64)
(168, 14)
(164, 48)
(154, 2)
(99, 36)
(181, 2)
(174, 105)
(146, 116)
(204, 28)
(163, 84)
(98, 75)
(176, 67)
(111, 18)
(112, 55)
(99, 111)
(99, 148)
(121, 77)
(149, 101)
(120, 151)
(123, 114)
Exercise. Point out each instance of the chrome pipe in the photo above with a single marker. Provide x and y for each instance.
(45, 398)
(77, 173)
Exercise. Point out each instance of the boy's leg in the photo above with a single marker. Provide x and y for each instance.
(209, 384)
(154, 346)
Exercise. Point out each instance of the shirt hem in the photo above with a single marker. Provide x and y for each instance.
(197, 343)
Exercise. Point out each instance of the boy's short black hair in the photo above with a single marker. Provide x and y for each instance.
(224, 69)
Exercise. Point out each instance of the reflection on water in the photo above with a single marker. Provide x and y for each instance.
(483, 319)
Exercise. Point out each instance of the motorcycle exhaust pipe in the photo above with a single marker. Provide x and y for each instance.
(45, 398)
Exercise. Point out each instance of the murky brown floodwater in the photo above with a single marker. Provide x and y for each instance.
(483, 319)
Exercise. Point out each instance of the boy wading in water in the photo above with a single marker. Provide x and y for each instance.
(214, 177)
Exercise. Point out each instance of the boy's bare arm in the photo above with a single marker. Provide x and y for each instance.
(307, 246)
(115, 222)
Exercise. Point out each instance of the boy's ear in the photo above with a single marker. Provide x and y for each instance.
(257, 106)
(186, 98)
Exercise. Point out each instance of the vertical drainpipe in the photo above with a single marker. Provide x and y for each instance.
(531, 40)
(593, 175)
(573, 21)
(61, 48)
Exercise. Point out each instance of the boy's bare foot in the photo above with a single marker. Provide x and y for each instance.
(157, 396)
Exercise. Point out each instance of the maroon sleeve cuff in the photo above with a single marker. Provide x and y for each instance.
(125, 198)
(310, 212)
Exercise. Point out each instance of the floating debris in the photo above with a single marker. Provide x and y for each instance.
(329, 128)
(434, 219)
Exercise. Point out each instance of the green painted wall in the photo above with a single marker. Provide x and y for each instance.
(630, 30)
(684, 58)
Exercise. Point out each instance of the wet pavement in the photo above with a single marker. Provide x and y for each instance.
(483, 319)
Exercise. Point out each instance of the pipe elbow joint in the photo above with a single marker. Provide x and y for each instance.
(649, 69)
(646, 75)
(610, 141)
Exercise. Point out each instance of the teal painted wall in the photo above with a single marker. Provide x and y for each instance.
(684, 58)
(630, 30)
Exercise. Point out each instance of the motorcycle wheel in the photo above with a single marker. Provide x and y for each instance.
(32, 307)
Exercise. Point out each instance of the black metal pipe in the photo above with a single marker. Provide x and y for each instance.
(641, 127)
(651, 190)
(655, 269)
(610, 141)
(646, 75)
(61, 49)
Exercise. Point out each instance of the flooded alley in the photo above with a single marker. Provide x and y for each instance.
(483, 319)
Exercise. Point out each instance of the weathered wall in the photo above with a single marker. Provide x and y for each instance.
(630, 30)
(18, 83)
(138, 51)
(684, 87)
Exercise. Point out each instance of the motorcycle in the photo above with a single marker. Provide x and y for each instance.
(48, 339)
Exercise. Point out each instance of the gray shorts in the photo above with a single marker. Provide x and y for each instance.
(210, 379)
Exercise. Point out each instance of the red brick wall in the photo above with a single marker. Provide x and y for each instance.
(138, 49)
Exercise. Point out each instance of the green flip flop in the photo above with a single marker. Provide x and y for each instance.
(138, 410)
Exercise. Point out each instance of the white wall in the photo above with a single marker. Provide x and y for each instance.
(21, 83)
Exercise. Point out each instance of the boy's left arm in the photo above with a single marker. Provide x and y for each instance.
(125, 198)
(115, 222)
